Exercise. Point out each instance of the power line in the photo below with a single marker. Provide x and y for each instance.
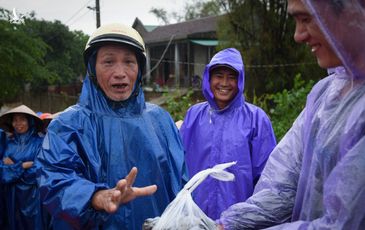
(78, 11)
(279, 65)
(162, 56)
(81, 16)
(246, 66)
(50, 38)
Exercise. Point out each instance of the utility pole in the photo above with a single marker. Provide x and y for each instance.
(97, 11)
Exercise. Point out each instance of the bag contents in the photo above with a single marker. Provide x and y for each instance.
(182, 213)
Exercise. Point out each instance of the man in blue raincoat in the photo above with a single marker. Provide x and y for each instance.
(225, 128)
(314, 178)
(91, 146)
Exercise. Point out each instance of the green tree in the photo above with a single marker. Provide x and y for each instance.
(21, 58)
(285, 106)
(177, 105)
(161, 14)
(263, 32)
(64, 58)
(202, 8)
(37, 53)
(192, 10)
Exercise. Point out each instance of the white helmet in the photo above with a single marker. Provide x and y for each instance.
(116, 33)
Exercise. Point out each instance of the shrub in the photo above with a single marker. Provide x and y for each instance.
(284, 107)
(178, 105)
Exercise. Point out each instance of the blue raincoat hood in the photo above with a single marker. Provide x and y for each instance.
(232, 58)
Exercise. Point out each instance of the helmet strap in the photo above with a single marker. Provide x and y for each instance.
(91, 71)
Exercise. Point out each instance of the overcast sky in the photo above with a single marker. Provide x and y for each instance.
(76, 16)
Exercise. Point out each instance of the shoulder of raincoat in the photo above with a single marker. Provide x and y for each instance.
(94, 144)
(240, 132)
(314, 177)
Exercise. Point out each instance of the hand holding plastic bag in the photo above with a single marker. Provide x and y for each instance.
(182, 213)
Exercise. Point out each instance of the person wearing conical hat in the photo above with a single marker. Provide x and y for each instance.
(6, 118)
(19, 174)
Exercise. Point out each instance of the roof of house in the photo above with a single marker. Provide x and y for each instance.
(193, 29)
(142, 29)
(149, 28)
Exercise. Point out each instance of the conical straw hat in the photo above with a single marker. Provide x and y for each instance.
(6, 118)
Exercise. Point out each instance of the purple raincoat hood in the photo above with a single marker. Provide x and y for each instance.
(230, 57)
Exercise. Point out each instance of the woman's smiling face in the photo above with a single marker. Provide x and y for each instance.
(20, 123)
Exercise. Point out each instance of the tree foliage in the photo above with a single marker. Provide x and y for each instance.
(263, 32)
(201, 8)
(21, 58)
(64, 58)
(192, 10)
(161, 14)
(37, 53)
(284, 107)
(177, 105)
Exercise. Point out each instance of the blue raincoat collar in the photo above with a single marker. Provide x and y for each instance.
(24, 137)
(233, 58)
(93, 98)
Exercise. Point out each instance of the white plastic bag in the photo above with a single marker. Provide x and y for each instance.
(182, 213)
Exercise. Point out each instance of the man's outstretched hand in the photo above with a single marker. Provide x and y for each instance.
(110, 199)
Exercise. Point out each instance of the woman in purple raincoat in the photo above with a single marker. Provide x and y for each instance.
(314, 178)
(226, 128)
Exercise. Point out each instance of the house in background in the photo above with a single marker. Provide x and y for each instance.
(177, 52)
